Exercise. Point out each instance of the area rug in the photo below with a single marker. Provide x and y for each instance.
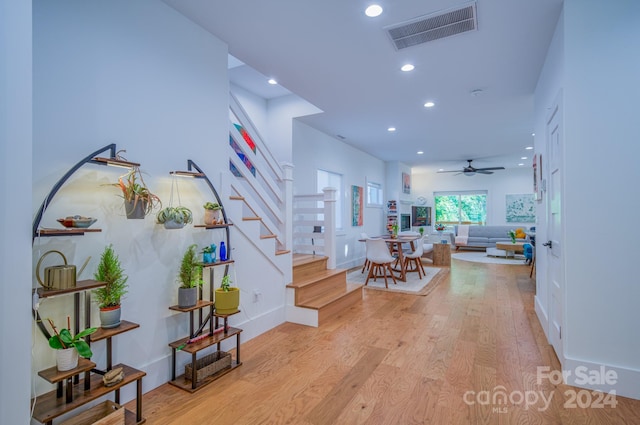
(414, 285)
(482, 257)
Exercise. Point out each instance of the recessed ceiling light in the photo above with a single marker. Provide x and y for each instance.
(529, 148)
(391, 129)
(420, 152)
(441, 169)
(521, 164)
(373, 11)
(407, 67)
(523, 157)
(533, 134)
(429, 105)
(272, 81)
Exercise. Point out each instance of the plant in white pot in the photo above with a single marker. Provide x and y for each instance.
(212, 214)
(227, 297)
(108, 297)
(68, 346)
(174, 217)
(189, 277)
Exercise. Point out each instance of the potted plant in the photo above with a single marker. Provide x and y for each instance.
(209, 254)
(190, 278)
(68, 346)
(138, 199)
(212, 214)
(421, 230)
(227, 297)
(174, 217)
(440, 227)
(108, 297)
(512, 235)
(394, 230)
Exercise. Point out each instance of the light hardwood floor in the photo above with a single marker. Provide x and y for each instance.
(398, 359)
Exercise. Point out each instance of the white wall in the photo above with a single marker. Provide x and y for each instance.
(15, 214)
(601, 170)
(313, 150)
(144, 77)
(498, 185)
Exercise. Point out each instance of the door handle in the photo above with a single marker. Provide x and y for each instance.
(548, 243)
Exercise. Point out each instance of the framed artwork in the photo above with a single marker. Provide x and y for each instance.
(521, 208)
(406, 183)
(537, 177)
(357, 206)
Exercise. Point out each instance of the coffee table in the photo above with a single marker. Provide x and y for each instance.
(510, 248)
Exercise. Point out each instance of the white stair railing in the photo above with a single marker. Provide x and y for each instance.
(259, 179)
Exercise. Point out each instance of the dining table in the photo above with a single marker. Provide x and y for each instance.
(395, 248)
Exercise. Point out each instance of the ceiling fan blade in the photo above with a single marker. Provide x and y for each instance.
(483, 171)
(490, 168)
(450, 171)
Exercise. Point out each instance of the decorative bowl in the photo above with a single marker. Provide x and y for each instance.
(77, 221)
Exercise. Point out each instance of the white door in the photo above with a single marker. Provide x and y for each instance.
(552, 247)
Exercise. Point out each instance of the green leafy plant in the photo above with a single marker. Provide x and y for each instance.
(180, 215)
(421, 230)
(135, 190)
(512, 235)
(65, 339)
(207, 250)
(225, 285)
(212, 206)
(190, 275)
(394, 228)
(111, 272)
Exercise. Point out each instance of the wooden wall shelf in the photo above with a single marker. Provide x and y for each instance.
(46, 231)
(81, 285)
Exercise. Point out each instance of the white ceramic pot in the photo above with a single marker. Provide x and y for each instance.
(66, 359)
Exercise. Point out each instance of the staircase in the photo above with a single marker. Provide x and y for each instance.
(317, 293)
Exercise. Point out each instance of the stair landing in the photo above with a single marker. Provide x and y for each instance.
(317, 293)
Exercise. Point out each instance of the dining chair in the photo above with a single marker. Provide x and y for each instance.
(379, 260)
(415, 258)
(366, 264)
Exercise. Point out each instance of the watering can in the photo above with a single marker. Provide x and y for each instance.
(57, 277)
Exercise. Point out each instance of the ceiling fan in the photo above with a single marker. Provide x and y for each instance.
(469, 170)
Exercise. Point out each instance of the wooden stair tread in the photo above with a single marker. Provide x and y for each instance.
(318, 276)
(282, 251)
(237, 198)
(268, 236)
(331, 296)
(251, 218)
(301, 259)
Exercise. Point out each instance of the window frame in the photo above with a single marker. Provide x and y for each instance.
(459, 194)
(378, 188)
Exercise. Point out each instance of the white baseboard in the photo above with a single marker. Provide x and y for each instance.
(581, 373)
(543, 318)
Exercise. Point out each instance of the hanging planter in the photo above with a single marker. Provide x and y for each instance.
(138, 200)
(174, 217)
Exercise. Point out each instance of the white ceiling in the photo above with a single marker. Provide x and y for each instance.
(330, 54)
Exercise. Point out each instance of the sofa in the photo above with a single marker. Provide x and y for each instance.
(487, 236)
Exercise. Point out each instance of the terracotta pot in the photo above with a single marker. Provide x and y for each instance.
(211, 217)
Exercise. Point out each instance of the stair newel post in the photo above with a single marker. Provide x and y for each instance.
(330, 226)
(287, 169)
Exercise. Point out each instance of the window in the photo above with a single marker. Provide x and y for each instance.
(374, 194)
(461, 207)
(329, 179)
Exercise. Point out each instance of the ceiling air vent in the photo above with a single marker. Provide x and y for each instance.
(433, 26)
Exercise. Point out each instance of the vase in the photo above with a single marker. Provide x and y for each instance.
(110, 317)
(66, 359)
(135, 209)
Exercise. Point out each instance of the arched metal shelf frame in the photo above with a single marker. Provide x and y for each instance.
(89, 159)
(193, 170)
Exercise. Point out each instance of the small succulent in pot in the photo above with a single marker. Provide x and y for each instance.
(212, 214)
(212, 206)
